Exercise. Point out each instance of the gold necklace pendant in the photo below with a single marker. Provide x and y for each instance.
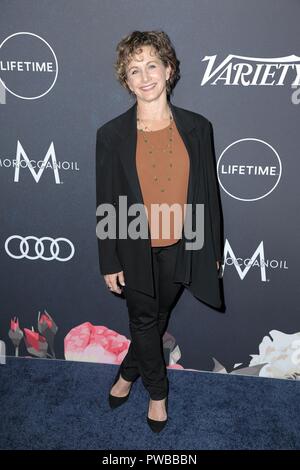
(165, 150)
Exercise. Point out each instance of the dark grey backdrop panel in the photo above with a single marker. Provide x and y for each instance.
(82, 36)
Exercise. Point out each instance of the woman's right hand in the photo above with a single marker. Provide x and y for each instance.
(111, 281)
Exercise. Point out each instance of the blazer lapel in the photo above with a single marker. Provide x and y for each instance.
(185, 126)
(128, 133)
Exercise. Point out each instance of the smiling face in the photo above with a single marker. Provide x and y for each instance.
(147, 75)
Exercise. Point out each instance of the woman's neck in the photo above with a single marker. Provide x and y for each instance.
(153, 111)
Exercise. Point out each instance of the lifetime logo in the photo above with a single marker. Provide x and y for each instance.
(39, 248)
(23, 56)
(249, 169)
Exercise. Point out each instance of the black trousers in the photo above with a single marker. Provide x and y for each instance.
(148, 320)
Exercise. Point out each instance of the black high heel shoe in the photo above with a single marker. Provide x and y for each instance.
(157, 426)
(114, 402)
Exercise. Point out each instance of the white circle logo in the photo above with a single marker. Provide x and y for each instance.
(28, 65)
(249, 169)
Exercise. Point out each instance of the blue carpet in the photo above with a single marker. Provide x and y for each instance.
(49, 404)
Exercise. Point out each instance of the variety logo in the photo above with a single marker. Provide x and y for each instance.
(256, 261)
(249, 169)
(37, 168)
(56, 248)
(28, 66)
(252, 71)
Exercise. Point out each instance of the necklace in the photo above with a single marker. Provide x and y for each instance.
(152, 150)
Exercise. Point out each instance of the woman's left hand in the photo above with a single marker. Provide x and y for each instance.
(218, 265)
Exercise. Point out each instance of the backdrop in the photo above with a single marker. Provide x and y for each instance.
(240, 68)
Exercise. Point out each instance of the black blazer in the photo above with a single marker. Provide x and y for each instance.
(116, 174)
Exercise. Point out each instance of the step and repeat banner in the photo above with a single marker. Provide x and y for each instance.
(240, 67)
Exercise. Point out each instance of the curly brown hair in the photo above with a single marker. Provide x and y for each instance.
(132, 43)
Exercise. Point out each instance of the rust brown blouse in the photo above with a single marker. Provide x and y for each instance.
(163, 178)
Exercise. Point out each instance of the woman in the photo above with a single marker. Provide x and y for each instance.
(155, 154)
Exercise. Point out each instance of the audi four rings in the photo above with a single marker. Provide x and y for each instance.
(55, 246)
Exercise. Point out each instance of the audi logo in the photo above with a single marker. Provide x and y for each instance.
(39, 248)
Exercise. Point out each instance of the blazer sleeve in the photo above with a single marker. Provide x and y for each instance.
(213, 192)
(107, 248)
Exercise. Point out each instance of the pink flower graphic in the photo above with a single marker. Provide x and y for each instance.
(48, 329)
(15, 334)
(89, 343)
(171, 351)
(35, 343)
